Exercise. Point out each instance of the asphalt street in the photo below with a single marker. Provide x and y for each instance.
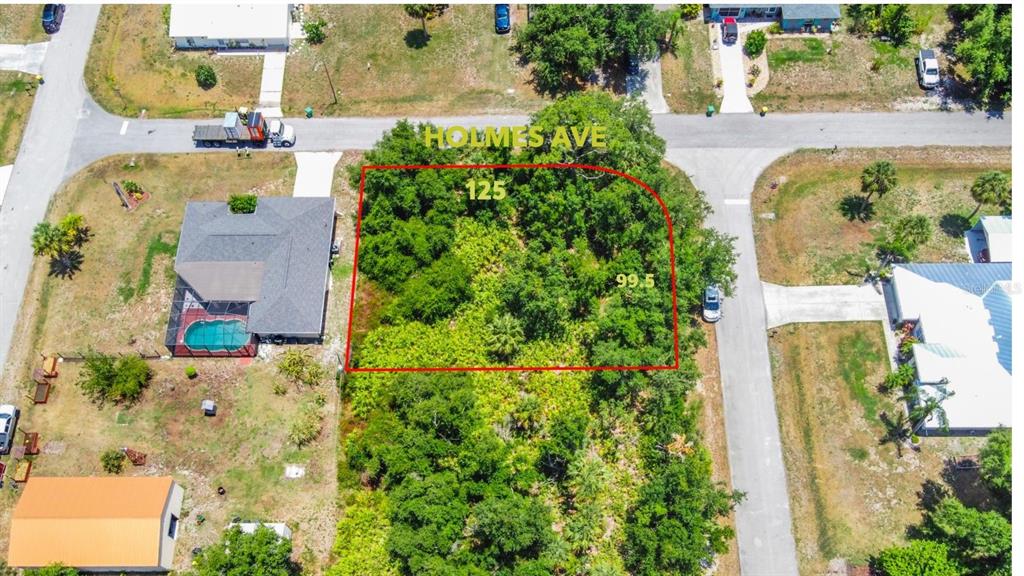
(723, 156)
(39, 169)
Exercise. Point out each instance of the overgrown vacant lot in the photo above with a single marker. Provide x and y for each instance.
(687, 78)
(133, 66)
(809, 241)
(462, 68)
(118, 303)
(19, 24)
(845, 71)
(16, 96)
(850, 495)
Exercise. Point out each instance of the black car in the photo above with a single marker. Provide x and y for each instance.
(502, 18)
(53, 15)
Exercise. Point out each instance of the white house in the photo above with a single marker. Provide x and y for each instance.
(998, 231)
(962, 314)
(230, 26)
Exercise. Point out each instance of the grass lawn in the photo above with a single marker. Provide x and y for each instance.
(118, 303)
(20, 24)
(686, 75)
(15, 105)
(850, 495)
(133, 66)
(844, 71)
(463, 68)
(810, 242)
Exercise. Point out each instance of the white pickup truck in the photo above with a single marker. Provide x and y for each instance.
(927, 69)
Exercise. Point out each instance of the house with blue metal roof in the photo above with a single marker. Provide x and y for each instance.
(961, 318)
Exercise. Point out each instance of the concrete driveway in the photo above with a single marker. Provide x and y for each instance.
(272, 83)
(734, 77)
(647, 85)
(314, 174)
(795, 304)
(27, 58)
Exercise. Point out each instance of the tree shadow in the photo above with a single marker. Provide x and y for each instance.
(66, 265)
(967, 485)
(954, 225)
(856, 207)
(417, 39)
(931, 493)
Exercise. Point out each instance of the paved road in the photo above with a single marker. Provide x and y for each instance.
(763, 520)
(27, 58)
(45, 150)
(794, 304)
(99, 133)
(723, 156)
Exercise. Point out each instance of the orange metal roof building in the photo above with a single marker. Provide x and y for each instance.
(98, 522)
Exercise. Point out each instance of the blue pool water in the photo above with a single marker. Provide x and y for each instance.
(216, 335)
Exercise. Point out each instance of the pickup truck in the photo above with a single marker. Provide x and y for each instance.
(927, 69)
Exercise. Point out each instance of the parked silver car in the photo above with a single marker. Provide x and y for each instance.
(712, 304)
(8, 424)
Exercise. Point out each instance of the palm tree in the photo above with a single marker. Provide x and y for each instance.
(505, 337)
(991, 188)
(48, 240)
(923, 407)
(878, 178)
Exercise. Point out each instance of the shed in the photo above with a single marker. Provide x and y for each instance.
(998, 232)
(230, 26)
(97, 524)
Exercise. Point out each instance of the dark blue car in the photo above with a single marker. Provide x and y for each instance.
(502, 19)
(53, 15)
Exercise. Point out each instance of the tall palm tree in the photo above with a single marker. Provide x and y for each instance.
(991, 188)
(878, 178)
(505, 337)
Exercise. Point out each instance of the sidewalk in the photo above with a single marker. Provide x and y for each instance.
(27, 58)
(272, 83)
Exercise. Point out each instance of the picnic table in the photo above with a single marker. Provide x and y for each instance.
(42, 393)
(22, 470)
(31, 443)
(50, 366)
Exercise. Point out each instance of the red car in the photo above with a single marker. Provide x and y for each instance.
(730, 32)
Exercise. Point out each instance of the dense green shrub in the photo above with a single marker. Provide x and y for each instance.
(242, 203)
(755, 43)
(315, 31)
(919, 558)
(307, 424)
(113, 461)
(104, 378)
(206, 77)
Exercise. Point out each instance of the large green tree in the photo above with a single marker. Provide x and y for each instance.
(241, 554)
(985, 49)
(979, 541)
(566, 43)
(996, 463)
(993, 188)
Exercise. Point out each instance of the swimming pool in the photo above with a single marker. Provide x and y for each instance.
(216, 335)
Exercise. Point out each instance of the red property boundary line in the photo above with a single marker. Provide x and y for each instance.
(355, 273)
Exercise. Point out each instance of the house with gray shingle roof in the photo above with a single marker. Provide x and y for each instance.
(268, 269)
